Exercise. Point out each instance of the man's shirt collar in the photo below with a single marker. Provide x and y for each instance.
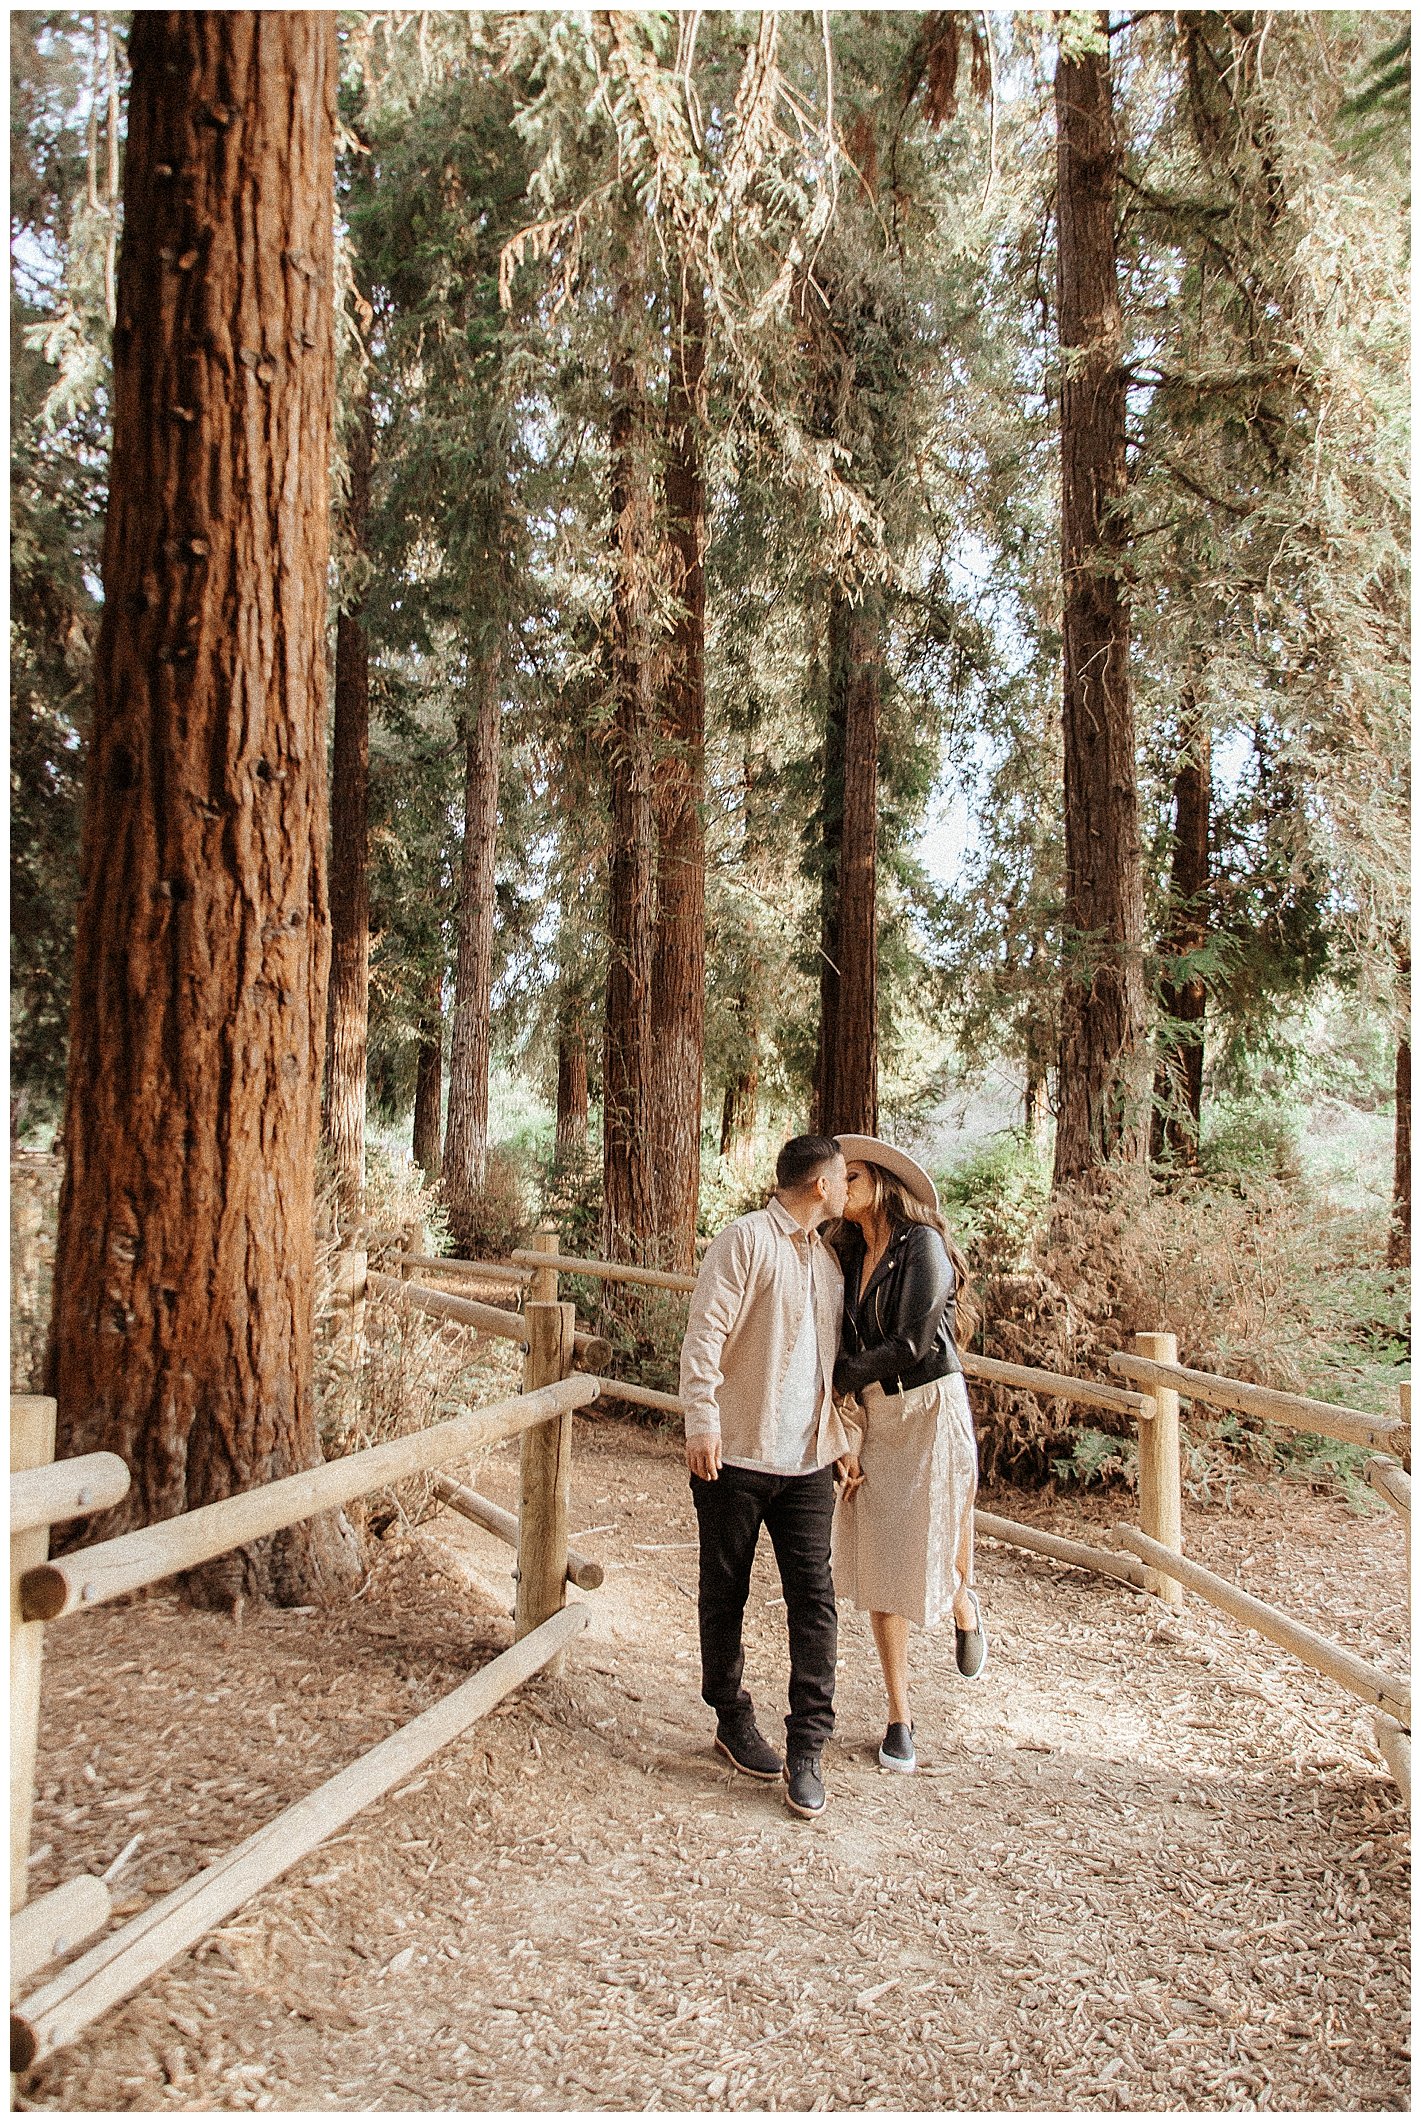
(790, 1225)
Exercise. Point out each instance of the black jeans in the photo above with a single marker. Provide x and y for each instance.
(797, 1510)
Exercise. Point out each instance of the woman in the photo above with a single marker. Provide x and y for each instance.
(903, 1529)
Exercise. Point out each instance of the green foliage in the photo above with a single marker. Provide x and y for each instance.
(995, 1203)
(1094, 1457)
(66, 81)
(1250, 1135)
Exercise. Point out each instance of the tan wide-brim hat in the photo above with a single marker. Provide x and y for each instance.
(867, 1149)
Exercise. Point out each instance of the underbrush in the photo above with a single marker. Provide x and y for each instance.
(393, 1370)
(1260, 1273)
(1261, 1279)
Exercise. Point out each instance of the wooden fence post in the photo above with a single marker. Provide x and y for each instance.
(1160, 1514)
(544, 1474)
(1403, 1444)
(31, 1444)
(543, 1289)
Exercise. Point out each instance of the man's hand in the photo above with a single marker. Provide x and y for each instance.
(703, 1457)
(849, 1472)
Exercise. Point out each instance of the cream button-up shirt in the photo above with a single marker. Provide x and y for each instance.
(745, 1317)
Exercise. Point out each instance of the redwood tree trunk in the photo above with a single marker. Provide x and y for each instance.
(1179, 1079)
(570, 1137)
(1398, 1251)
(182, 1334)
(678, 980)
(629, 1189)
(429, 1079)
(1100, 1101)
(466, 1127)
(347, 1007)
(846, 1071)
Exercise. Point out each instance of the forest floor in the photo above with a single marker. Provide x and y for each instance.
(1148, 1861)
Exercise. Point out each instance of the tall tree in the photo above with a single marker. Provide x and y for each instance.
(182, 1332)
(1100, 1110)
(465, 1166)
(570, 1125)
(1179, 1077)
(846, 1068)
(678, 973)
(629, 1186)
(452, 180)
(347, 1008)
(429, 1079)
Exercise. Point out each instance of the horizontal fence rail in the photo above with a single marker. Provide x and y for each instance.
(495, 1319)
(1056, 1385)
(111, 1970)
(477, 1270)
(66, 1489)
(606, 1270)
(590, 1351)
(1320, 1418)
(1076, 1552)
(1049, 1383)
(52, 1926)
(1385, 1691)
(582, 1571)
(94, 1574)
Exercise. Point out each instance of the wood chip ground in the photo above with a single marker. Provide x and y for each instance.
(1148, 1863)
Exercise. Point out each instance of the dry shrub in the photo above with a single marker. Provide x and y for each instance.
(407, 1370)
(502, 1214)
(1263, 1280)
(1029, 1318)
(1260, 1279)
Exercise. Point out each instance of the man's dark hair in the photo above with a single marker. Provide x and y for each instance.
(803, 1158)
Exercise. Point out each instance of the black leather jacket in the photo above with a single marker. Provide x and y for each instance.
(898, 1331)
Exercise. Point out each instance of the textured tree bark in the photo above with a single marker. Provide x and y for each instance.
(182, 1332)
(570, 1135)
(1398, 1251)
(678, 978)
(1179, 1078)
(737, 1115)
(846, 1069)
(429, 1080)
(466, 1124)
(1101, 1101)
(348, 1003)
(1035, 1103)
(629, 1190)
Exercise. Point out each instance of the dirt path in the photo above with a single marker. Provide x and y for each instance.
(1148, 1863)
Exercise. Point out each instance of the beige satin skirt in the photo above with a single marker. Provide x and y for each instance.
(903, 1540)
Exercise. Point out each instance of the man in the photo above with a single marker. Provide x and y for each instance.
(762, 1436)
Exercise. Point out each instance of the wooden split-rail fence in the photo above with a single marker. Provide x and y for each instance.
(1150, 1556)
(42, 1591)
(561, 1365)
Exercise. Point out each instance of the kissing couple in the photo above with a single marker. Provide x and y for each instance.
(816, 1361)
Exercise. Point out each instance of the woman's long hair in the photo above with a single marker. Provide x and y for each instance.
(893, 1198)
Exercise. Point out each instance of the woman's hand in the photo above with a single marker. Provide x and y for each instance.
(850, 1473)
